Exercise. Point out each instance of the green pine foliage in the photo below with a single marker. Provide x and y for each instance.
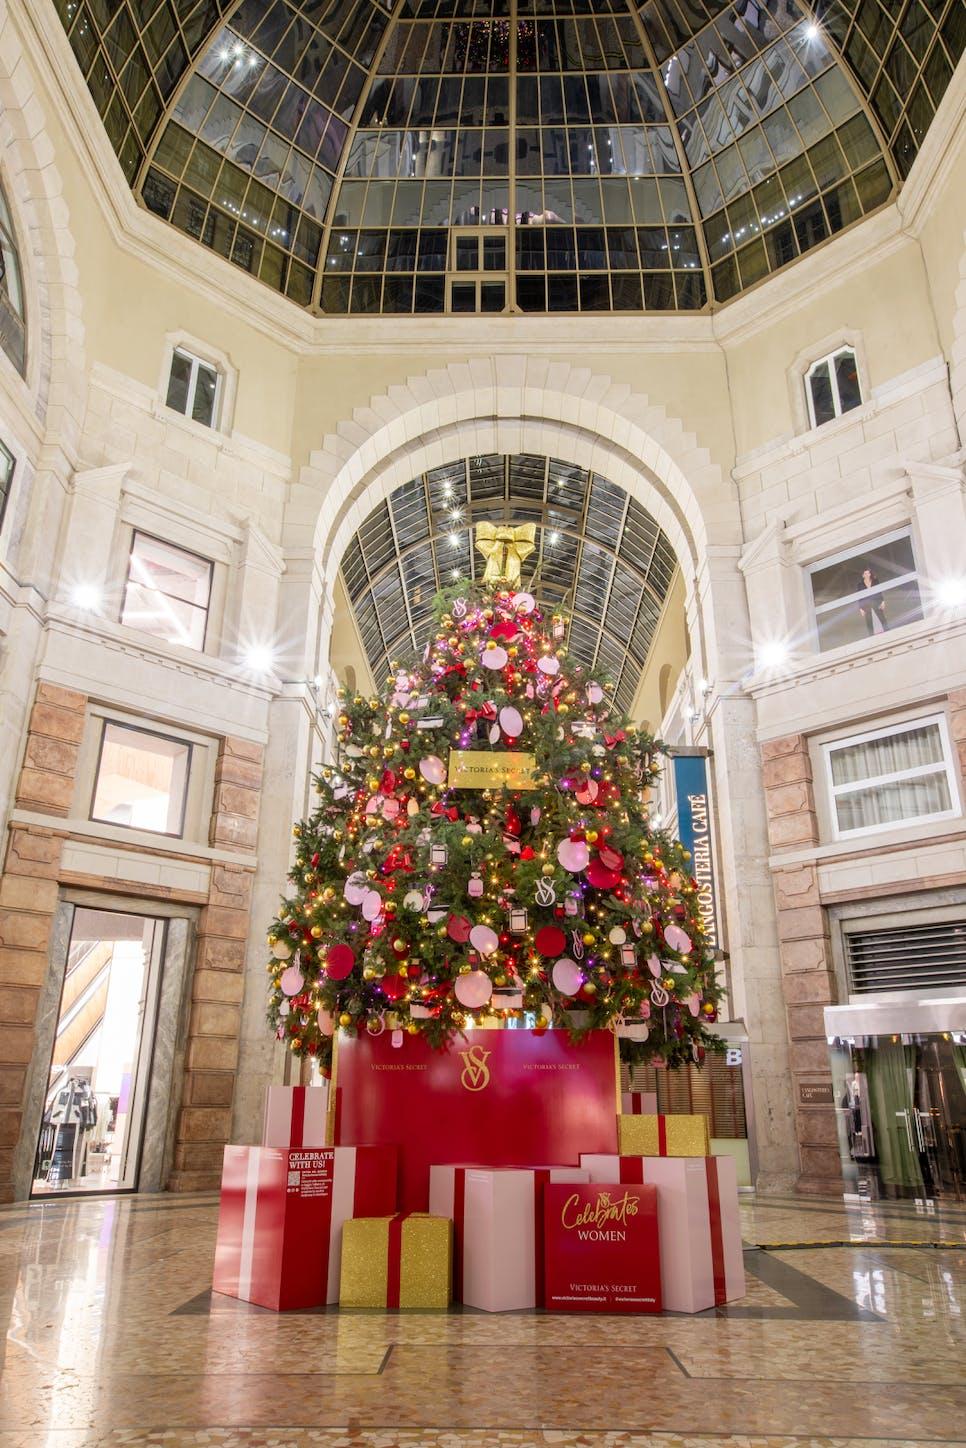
(424, 906)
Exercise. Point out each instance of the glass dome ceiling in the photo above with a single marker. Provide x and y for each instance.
(599, 556)
(427, 156)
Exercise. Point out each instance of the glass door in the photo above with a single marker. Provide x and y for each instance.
(902, 1115)
(97, 1089)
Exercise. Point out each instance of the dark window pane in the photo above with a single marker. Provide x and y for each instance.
(462, 297)
(206, 387)
(492, 296)
(178, 381)
(847, 377)
(820, 387)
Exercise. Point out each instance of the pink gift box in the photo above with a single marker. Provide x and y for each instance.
(295, 1116)
(700, 1233)
(280, 1219)
(497, 1215)
(638, 1103)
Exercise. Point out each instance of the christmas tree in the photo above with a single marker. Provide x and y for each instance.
(482, 848)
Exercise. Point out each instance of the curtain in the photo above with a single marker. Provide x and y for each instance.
(888, 1070)
(888, 803)
(913, 749)
(959, 1061)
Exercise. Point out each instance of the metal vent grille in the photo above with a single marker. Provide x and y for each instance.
(917, 957)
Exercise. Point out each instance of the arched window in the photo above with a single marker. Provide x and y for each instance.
(13, 330)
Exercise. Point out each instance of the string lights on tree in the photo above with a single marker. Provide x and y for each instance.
(482, 853)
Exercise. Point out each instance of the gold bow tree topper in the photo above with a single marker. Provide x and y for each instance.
(504, 549)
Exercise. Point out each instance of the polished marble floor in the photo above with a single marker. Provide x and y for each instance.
(113, 1338)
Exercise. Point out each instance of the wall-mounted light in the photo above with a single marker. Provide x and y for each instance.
(88, 596)
(951, 592)
(773, 654)
(259, 658)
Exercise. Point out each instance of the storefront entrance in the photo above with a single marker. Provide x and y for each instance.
(97, 1088)
(901, 1111)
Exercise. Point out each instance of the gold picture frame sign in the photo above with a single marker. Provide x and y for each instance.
(491, 769)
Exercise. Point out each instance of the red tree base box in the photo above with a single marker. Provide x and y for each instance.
(601, 1248)
(493, 1098)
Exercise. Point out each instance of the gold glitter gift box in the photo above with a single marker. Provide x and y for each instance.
(663, 1136)
(400, 1261)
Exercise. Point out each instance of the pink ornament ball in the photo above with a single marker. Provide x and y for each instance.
(473, 990)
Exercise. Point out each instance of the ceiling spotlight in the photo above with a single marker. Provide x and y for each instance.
(951, 592)
(553, 539)
(87, 596)
(454, 540)
(259, 658)
(811, 31)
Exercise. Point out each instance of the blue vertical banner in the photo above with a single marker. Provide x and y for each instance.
(694, 832)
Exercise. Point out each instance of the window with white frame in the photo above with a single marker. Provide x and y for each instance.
(167, 591)
(898, 775)
(832, 386)
(141, 780)
(865, 591)
(6, 478)
(194, 387)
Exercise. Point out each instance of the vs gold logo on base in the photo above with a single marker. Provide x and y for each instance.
(476, 1073)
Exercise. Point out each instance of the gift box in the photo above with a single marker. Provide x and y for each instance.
(698, 1224)
(663, 1136)
(639, 1103)
(497, 1213)
(602, 1248)
(295, 1117)
(401, 1261)
(281, 1215)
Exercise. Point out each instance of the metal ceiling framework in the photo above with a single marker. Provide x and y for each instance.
(599, 556)
(661, 156)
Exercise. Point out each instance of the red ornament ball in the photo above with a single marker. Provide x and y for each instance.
(339, 961)
(550, 940)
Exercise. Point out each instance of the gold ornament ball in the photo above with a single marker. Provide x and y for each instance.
(295, 1044)
(647, 928)
(343, 720)
(590, 988)
(399, 944)
(358, 700)
(668, 982)
(591, 837)
(404, 718)
(411, 1028)
(374, 751)
(388, 751)
(466, 840)
(585, 766)
(373, 703)
(546, 869)
(345, 1019)
(409, 772)
(588, 937)
(316, 932)
(368, 973)
(685, 854)
(452, 641)
(272, 939)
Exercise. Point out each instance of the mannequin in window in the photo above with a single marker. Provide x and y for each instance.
(872, 608)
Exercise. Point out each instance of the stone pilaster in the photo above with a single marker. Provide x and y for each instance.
(808, 979)
(28, 898)
(214, 1027)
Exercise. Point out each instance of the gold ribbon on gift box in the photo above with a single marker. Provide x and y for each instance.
(400, 1261)
(504, 549)
(663, 1136)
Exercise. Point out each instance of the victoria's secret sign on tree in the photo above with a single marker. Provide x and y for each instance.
(694, 832)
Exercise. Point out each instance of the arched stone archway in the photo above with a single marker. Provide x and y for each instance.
(529, 404)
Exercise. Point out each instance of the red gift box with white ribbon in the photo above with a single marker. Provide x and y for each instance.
(698, 1223)
(295, 1116)
(281, 1216)
(497, 1214)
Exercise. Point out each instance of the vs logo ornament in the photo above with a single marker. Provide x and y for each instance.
(476, 1073)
